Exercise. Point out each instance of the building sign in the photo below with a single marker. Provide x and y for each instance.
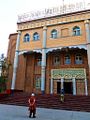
(53, 11)
(68, 73)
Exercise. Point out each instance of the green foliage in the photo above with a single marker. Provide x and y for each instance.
(2, 79)
(5, 64)
(2, 84)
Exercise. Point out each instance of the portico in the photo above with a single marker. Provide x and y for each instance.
(69, 75)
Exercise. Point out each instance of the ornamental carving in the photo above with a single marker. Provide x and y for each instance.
(68, 73)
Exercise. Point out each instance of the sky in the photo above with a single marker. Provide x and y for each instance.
(10, 9)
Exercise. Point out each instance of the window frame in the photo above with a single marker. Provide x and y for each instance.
(55, 60)
(54, 34)
(76, 31)
(26, 38)
(67, 61)
(38, 61)
(78, 61)
(36, 36)
(38, 82)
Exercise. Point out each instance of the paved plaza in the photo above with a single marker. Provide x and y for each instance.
(10, 112)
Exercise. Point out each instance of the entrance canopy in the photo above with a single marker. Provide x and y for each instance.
(62, 47)
(51, 49)
(68, 73)
(30, 51)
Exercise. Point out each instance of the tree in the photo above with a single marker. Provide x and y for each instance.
(4, 67)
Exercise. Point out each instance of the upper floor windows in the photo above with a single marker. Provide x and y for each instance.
(76, 31)
(36, 36)
(26, 38)
(67, 59)
(54, 34)
(78, 59)
(38, 61)
(56, 60)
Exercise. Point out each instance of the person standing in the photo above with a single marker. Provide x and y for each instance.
(62, 95)
(32, 105)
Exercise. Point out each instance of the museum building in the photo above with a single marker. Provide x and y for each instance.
(51, 53)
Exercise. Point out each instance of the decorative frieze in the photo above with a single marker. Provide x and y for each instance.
(68, 73)
(53, 21)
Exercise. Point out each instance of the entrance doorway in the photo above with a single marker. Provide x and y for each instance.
(58, 87)
(68, 88)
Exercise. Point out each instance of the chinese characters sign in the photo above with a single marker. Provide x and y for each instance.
(52, 12)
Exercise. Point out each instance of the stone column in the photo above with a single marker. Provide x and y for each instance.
(74, 86)
(43, 69)
(87, 27)
(86, 91)
(51, 86)
(62, 83)
(15, 61)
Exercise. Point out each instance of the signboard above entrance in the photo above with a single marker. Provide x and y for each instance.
(68, 73)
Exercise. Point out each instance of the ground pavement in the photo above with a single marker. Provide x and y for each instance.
(10, 112)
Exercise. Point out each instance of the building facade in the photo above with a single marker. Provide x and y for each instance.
(50, 54)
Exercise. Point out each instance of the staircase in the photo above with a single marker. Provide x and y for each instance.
(75, 103)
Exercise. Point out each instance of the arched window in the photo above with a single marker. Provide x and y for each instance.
(76, 31)
(56, 60)
(36, 36)
(26, 38)
(54, 34)
(78, 59)
(67, 59)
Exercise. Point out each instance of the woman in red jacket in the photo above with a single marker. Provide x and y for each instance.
(32, 105)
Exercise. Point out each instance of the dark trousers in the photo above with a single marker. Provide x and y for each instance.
(32, 112)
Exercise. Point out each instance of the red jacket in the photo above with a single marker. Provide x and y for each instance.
(32, 103)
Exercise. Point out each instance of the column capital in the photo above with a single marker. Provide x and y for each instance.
(19, 32)
(45, 28)
(86, 21)
(73, 77)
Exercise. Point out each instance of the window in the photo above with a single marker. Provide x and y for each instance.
(36, 36)
(56, 60)
(76, 31)
(38, 61)
(67, 59)
(27, 38)
(78, 59)
(38, 82)
(54, 34)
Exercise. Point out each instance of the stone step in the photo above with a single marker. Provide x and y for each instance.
(78, 103)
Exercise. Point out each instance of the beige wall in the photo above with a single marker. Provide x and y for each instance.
(65, 36)
(68, 40)
(32, 44)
